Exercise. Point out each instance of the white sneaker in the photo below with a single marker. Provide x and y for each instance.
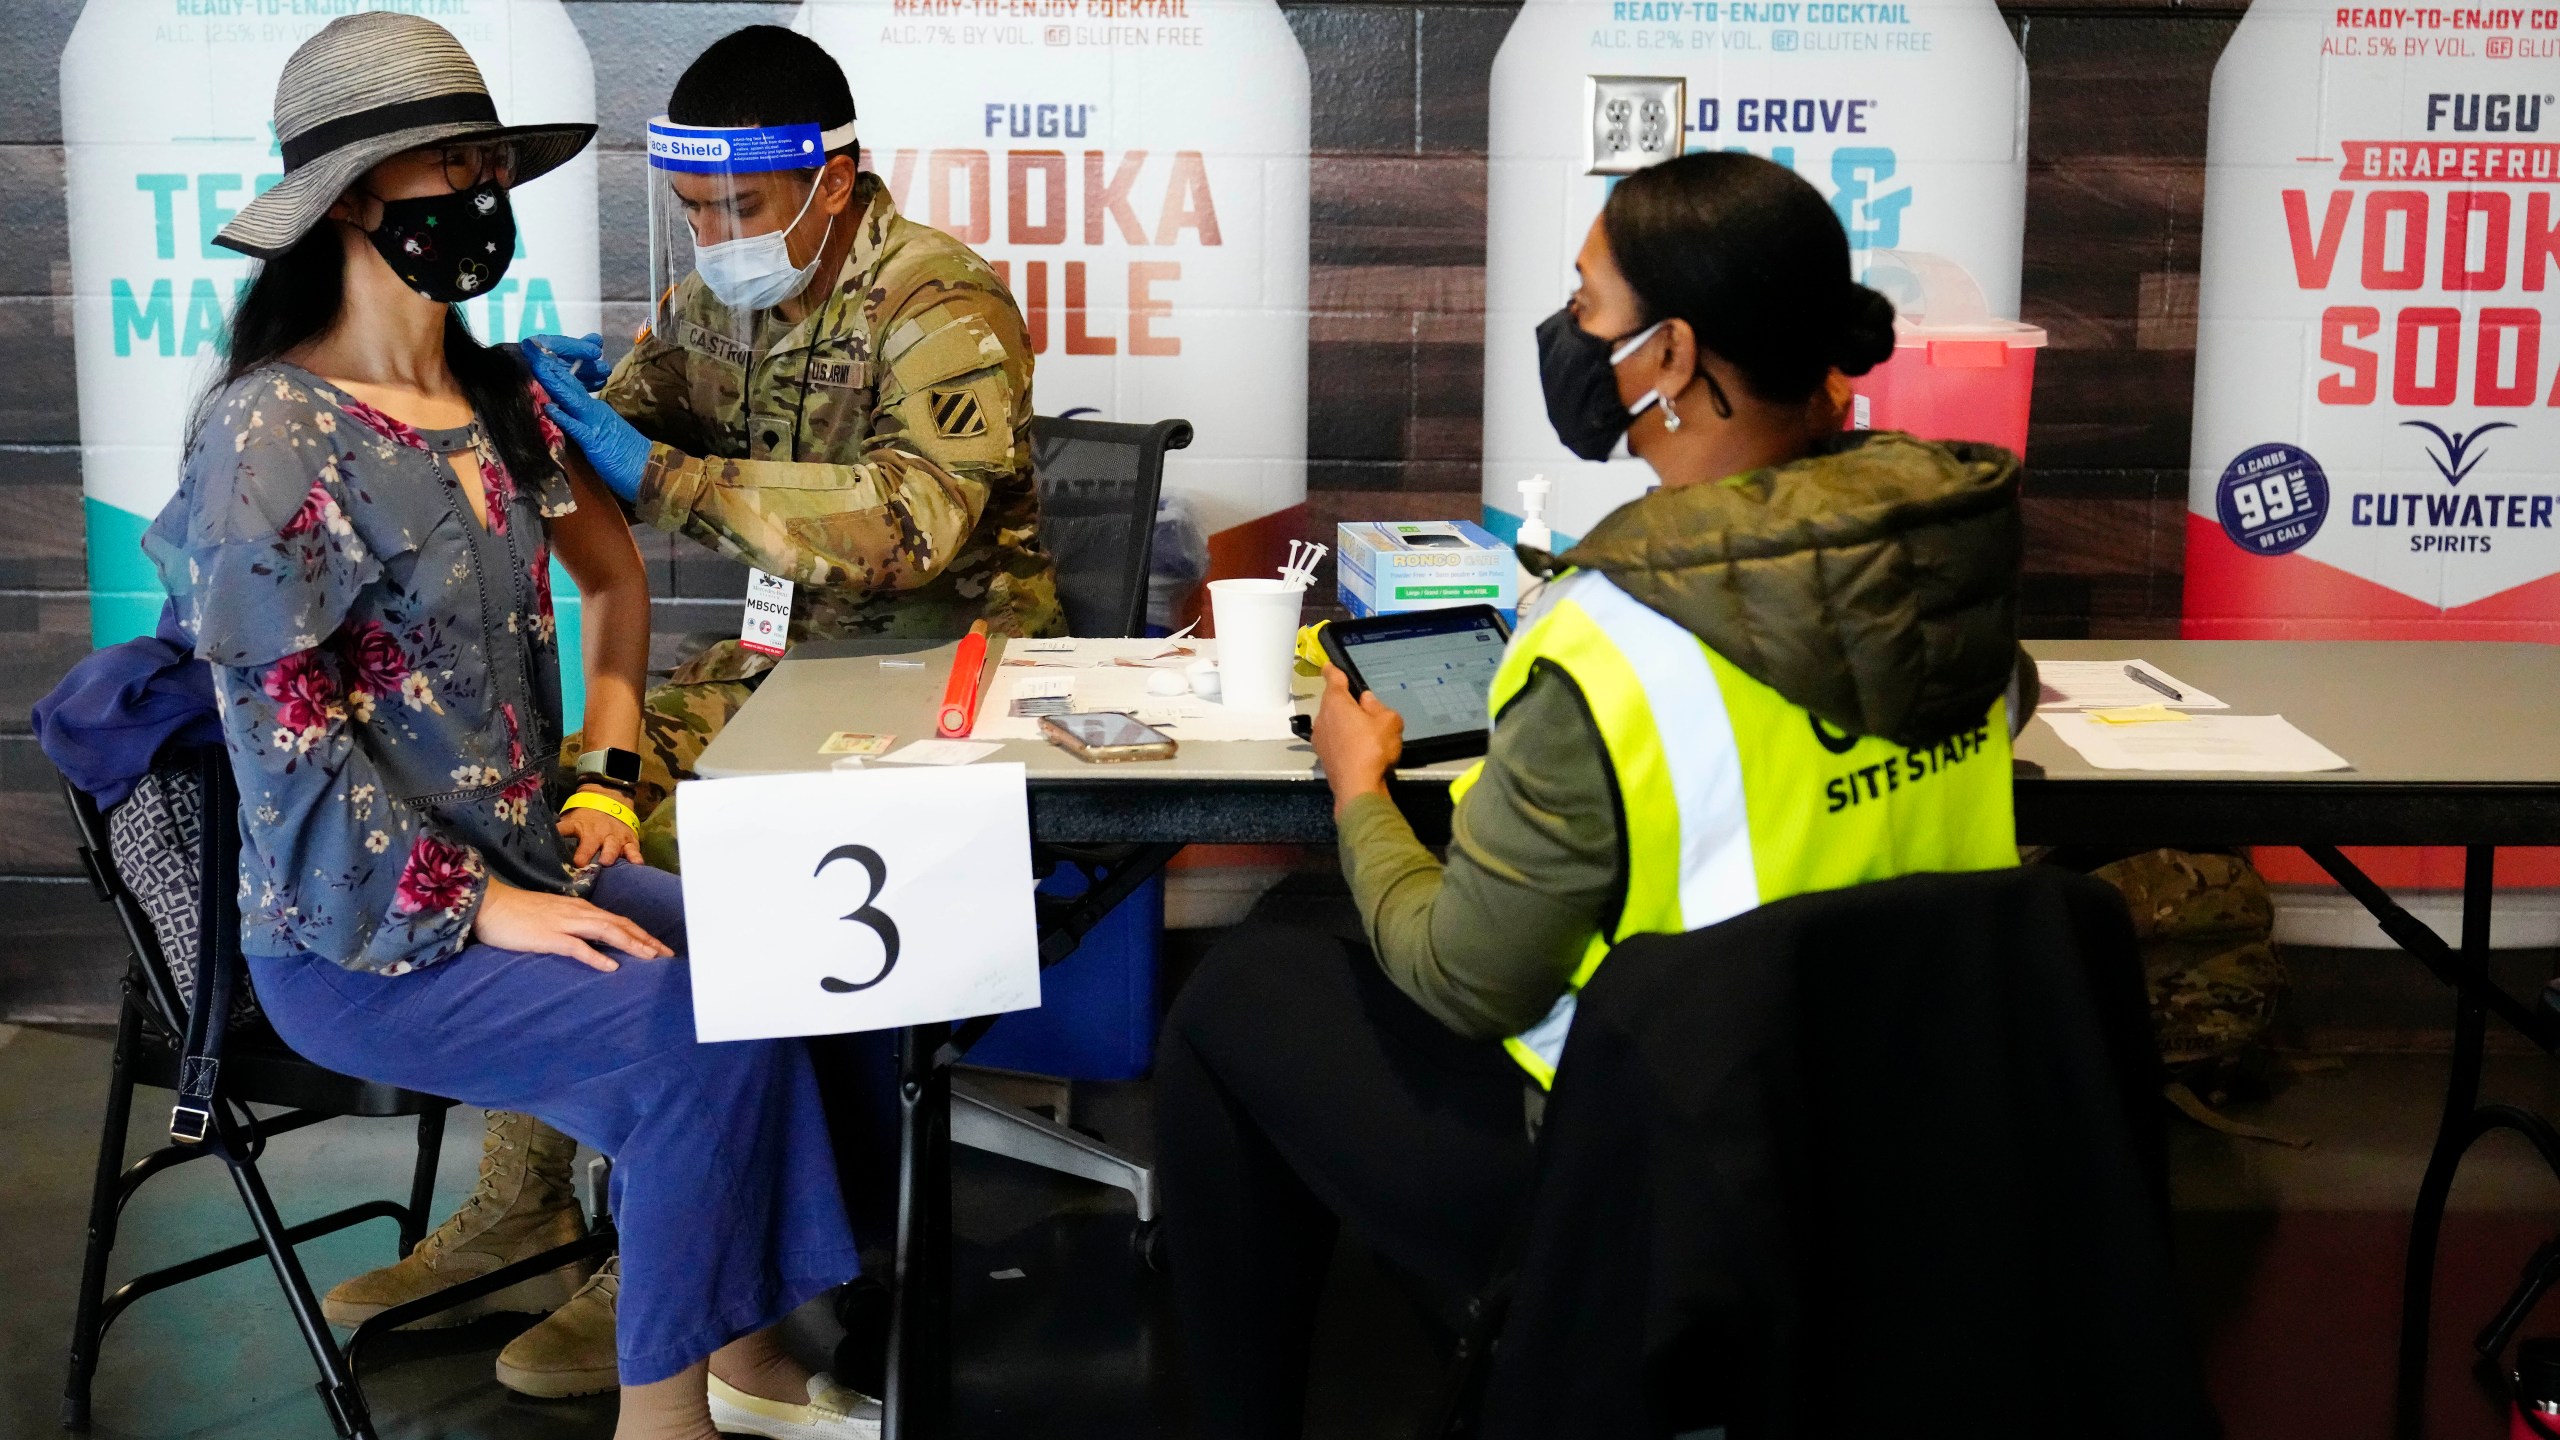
(834, 1412)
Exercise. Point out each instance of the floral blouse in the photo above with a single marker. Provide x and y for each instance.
(386, 667)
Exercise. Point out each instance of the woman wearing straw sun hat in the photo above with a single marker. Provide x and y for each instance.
(361, 91)
(360, 546)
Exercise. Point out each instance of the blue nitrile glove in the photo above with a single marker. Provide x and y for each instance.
(619, 453)
(585, 355)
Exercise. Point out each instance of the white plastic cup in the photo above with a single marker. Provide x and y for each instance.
(1257, 624)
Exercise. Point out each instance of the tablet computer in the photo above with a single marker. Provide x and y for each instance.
(1433, 667)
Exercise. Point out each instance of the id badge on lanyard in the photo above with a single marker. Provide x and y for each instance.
(766, 629)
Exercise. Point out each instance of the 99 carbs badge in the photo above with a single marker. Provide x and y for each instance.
(2271, 499)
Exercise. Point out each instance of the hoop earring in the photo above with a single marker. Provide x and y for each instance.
(1670, 416)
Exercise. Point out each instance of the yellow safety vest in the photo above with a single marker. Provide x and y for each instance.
(1730, 795)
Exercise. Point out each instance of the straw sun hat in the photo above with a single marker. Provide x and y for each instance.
(364, 89)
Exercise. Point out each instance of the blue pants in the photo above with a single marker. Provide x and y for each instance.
(724, 1184)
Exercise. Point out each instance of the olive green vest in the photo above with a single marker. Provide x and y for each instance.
(1729, 795)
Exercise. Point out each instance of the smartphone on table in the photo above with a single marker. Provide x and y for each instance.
(1103, 736)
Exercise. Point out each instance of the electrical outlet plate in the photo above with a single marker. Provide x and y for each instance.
(1636, 121)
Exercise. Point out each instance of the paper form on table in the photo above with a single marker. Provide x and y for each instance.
(2102, 684)
(942, 752)
(2265, 744)
(1114, 675)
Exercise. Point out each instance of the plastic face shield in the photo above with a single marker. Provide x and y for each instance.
(722, 202)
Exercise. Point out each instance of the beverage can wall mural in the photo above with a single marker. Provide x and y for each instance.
(166, 127)
(1910, 115)
(2375, 422)
(1137, 171)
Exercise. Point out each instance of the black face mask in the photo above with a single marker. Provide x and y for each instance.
(449, 248)
(1581, 386)
(1580, 373)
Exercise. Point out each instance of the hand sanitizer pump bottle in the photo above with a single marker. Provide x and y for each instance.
(1529, 588)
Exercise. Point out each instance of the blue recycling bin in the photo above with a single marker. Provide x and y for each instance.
(1097, 1017)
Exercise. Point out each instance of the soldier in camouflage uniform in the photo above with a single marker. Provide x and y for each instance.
(877, 454)
(873, 448)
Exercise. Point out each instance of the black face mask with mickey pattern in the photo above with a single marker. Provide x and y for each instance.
(449, 248)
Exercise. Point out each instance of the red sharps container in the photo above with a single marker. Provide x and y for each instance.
(1958, 372)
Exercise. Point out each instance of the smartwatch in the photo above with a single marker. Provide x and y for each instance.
(617, 768)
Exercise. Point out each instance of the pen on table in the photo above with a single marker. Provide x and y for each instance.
(960, 692)
(2136, 672)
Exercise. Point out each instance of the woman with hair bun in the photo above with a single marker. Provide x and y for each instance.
(1793, 667)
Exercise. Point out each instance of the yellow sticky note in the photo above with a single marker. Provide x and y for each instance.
(848, 742)
(2138, 715)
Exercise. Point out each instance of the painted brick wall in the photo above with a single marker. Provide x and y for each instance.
(44, 610)
(2114, 188)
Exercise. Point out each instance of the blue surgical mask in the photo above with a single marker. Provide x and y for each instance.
(755, 272)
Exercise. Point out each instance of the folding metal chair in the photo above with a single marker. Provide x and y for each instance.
(168, 1038)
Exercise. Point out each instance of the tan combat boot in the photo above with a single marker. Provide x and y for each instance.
(571, 1353)
(524, 1204)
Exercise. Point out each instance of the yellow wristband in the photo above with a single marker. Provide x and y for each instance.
(589, 800)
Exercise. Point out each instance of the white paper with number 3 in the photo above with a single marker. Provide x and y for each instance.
(795, 887)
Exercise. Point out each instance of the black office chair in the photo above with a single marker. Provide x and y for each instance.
(1098, 487)
(173, 878)
(1891, 1152)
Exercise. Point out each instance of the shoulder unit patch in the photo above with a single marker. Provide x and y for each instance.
(957, 414)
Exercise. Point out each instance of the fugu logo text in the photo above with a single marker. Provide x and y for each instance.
(2519, 113)
(1044, 120)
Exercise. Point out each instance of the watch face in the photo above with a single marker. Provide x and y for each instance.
(611, 764)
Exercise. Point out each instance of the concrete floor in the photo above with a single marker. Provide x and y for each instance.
(2292, 1258)
(2371, 1120)
(1061, 1333)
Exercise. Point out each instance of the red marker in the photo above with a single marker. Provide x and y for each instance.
(960, 696)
